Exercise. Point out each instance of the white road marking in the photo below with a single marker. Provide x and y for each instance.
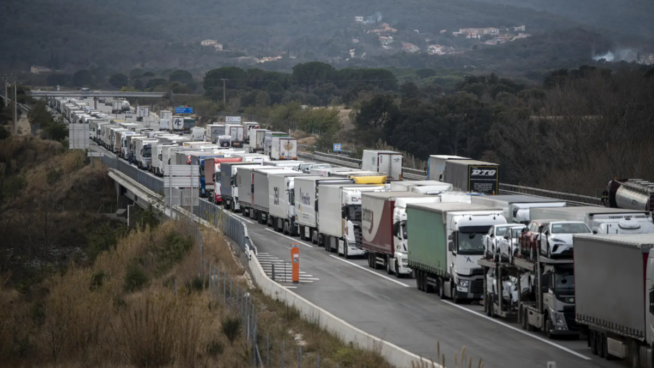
(293, 239)
(371, 271)
(520, 331)
(291, 287)
(244, 219)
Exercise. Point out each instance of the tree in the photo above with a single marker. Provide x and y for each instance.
(82, 78)
(152, 83)
(235, 78)
(313, 73)
(136, 73)
(138, 85)
(377, 118)
(58, 79)
(119, 80)
(181, 76)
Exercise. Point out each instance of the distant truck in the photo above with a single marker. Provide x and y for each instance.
(281, 198)
(212, 168)
(634, 194)
(614, 295)
(388, 162)
(601, 220)
(446, 243)
(267, 141)
(261, 197)
(283, 148)
(256, 140)
(236, 133)
(307, 189)
(229, 184)
(248, 188)
(383, 231)
(429, 187)
(340, 216)
(436, 165)
(473, 176)
(197, 133)
(213, 131)
(517, 207)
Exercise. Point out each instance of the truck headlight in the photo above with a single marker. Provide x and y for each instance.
(558, 320)
(464, 283)
(570, 300)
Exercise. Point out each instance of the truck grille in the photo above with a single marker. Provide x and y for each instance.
(477, 272)
(477, 286)
(569, 315)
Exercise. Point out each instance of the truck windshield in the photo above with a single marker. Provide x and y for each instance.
(564, 282)
(291, 197)
(147, 151)
(202, 168)
(570, 228)
(470, 240)
(354, 212)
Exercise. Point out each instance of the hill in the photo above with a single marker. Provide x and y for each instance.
(153, 34)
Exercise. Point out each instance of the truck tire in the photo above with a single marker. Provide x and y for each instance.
(592, 342)
(388, 265)
(326, 243)
(397, 268)
(441, 288)
(454, 295)
(345, 250)
(487, 304)
(314, 236)
(418, 281)
(548, 327)
(301, 229)
(428, 288)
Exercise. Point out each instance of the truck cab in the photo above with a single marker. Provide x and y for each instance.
(465, 248)
(401, 264)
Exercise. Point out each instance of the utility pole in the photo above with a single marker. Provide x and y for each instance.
(224, 97)
(15, 110)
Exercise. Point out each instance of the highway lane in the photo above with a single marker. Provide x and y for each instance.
(393, 309)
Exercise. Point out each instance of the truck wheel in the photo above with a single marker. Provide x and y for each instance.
(370, 260)
(418, 281)
(592, 342)
(397, 270)
(314, 237)
(441, 288)
(345, 255)
(599, 344)
(634, 349)
(487, 304)
(548, 327)
(301, 228)
(388, 265)
(326, 243)
(455, 296)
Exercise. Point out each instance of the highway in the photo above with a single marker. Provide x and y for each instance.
(393, 309)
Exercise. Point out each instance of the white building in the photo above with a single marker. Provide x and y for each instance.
(208, 42)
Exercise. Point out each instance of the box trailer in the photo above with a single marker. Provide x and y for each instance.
(430, 187)
(212, 176)
(261, 197)
(387, 162)
(517, 207)
(267, 140)
(257, 138)
(229, 183)
(380, 232)
(339, 209)
(473, 176)
(436, 165)
(614, 295)
(446, 245)
(307, 191)
(283, 148)
(248, 187)
(281, 198)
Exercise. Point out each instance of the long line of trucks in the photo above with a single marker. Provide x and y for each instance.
(582, 271)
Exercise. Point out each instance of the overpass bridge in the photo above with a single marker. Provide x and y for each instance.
(95, 94)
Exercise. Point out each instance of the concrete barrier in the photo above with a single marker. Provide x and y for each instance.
(392, 353)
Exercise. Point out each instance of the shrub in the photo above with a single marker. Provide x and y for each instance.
(231, 327)
(171, 251)
(135, 278)
(97, 279)
(215, 348)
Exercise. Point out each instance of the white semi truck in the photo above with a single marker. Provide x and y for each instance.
(307, 192)
(340, 217)
(281, 198)
(257, 139)
(261, 195)
(247, 188)
(229, 183)
(436, 165)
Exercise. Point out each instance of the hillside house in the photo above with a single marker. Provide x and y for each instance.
(409, 47)
(477, 32)
(40, 70)
(208, 42)
(521, 28)
(218, 47)
(358, 19)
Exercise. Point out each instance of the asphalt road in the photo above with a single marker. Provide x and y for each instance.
(393, 309)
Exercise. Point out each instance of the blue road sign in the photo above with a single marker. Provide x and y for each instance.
(183, 110)
(337, 147)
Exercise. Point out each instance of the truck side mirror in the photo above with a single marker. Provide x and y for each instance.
(396, 228)
(450, 247)
(594, 231)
